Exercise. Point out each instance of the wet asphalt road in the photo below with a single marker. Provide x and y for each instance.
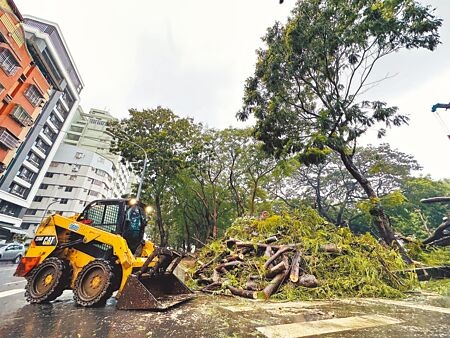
(212, 316)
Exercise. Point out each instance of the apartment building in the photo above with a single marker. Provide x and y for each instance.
(74, 178)
(23, 88)
(24, 174)
(88, 131)
(82, 170)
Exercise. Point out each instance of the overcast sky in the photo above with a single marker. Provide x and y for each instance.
(193, 57)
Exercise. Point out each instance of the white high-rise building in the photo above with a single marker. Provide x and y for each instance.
(88, 131)
(82, 170)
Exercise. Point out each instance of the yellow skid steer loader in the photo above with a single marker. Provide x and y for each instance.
(98, 252)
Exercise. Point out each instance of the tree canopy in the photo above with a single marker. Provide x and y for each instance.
(307, 90)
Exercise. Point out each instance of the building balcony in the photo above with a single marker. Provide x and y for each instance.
(39, 152)
(7, 139)
(22, 181)
(52, 126)
(58, 114)
(64, 103)
(45, 138)
(31, 165)
(20, 115)
(56, 122)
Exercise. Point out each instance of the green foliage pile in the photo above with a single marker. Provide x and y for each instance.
(361, 268)
(440, 286)
(429, 256)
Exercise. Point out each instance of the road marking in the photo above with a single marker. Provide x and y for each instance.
(7, 269)
(324, 326)
(410, 305)
(18, 281)
(272, 306)
(10, 292)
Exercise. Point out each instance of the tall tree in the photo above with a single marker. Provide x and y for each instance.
(167, 140)
(306, 93)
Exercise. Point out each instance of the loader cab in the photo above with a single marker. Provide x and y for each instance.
(125, 217)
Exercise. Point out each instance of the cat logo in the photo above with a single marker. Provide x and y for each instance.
(45, 240)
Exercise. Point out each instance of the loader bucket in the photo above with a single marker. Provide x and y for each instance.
(158, 292)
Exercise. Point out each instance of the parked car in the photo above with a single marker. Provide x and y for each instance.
(12, 252)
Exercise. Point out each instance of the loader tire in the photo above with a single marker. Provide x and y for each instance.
(48, 280)
(94, 284)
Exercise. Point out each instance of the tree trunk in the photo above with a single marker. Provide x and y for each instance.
(240, 209)
(380, 219)
(252, 200)
(159, 222)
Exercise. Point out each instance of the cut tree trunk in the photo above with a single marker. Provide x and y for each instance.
(252, 286)
(228, 265)
(277, 269)
(215, 276)
(295, 267)
(277, 254)
(242, 293)
(206, 265)
(212, 286)
(276, 282)
(268, 252)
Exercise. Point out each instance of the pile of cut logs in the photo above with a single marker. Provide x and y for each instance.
(283, 264)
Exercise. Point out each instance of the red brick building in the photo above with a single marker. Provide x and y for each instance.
(23, 88)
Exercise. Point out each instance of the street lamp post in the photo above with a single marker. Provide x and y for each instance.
(142, 175)
(55, 200)
(145, 162)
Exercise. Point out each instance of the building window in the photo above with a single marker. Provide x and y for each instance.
(49, 174)
(49, 133)
(7, 139)
(18, 190)
(55, 121)
(100, 172)
(73, 177)
(68, 98)
(10, 209)
(33, 95)
(43, 186)
(7, 62)
(2, 88)
(62, 110)
(26, 226)
(20, 115)
(64, 201)
(26, 174)
(68, 189)
(31, 212)
(38, 199)
(42, 146)
(54, 164)
(33, 159)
